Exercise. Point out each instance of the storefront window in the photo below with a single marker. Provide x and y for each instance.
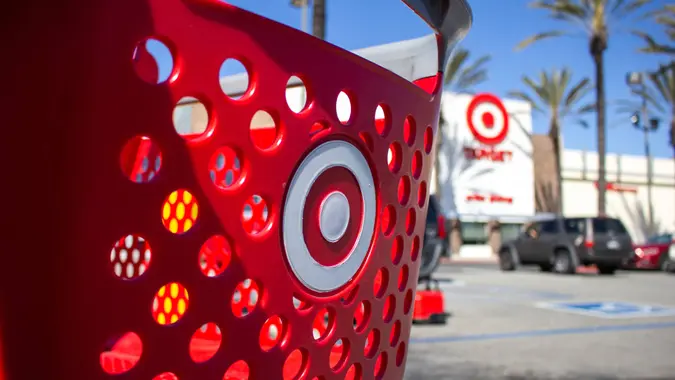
(474, 233)
(510, 230)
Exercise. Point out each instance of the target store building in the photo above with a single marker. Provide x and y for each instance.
(495, 175)
(486, 177)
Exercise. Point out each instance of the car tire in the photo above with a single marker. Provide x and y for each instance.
(669, 266)
(431, 258)
(606, 269)
(663, 262)
(563, 262)
(507, 262)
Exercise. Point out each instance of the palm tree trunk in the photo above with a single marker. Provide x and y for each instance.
(598, 59)
(319, 19)
(554, 135)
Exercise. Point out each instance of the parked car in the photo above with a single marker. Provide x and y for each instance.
(652, 254)
(436, 244)
(561, 244)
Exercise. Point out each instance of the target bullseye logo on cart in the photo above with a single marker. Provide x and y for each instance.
(488, 122)
(329, 213)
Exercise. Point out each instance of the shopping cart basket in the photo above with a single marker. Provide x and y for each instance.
(134, 252)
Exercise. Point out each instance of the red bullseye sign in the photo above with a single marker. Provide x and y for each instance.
(487, 119)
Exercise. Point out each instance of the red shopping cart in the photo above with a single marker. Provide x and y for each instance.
(136, 252)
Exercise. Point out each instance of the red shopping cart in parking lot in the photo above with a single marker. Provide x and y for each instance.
(136, 252)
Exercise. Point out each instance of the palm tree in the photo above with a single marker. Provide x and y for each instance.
(663, 80)
(666, 18)
(592, 17)
(556, 96)
(461, 75)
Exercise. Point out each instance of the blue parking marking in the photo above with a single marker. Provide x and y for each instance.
(610, 310)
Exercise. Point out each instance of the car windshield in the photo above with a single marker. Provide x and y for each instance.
(607, 225)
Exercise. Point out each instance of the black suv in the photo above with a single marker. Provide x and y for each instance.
(560, 244)
(435, 240)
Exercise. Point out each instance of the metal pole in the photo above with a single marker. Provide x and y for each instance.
(304, 26)
(303, 15)
(648, 156)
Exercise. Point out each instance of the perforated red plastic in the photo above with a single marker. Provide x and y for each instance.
(264, 252)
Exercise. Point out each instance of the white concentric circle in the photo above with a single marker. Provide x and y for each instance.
(334, 216)
(311, 273)
(487, 131)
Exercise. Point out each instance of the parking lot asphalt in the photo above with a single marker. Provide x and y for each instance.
(507, 326)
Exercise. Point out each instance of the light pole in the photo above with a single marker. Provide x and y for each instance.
(641, 121)
(303, 5)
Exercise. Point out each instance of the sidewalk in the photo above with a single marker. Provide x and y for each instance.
(469, 260)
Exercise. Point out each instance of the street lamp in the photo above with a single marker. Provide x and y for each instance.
(303, 5)
(635, 81)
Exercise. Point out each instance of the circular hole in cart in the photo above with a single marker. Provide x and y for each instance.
(130, 257)
(153, 61)
(190, 117)
(214, 256)
(234, 79)
(141, 159)
(205, 342)
(226, 168)
(170, 303)
(122, 354)
(296, 94)
(245, 298)
(180, 211)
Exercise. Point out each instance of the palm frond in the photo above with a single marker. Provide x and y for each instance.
(588, 108)
(554, 95)
(651, 45)
(577, 92)
(539, 89)
(476, 65)
(538, 37)
(525, 97)
(622, 8)
(650, 97)
(562, 7)
(665, 17)
(454, 64)
(461, 75)
(466, 82)
(629, 107)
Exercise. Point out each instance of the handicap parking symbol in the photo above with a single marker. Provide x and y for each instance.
(610, 310)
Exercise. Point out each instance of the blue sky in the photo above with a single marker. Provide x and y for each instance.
(498, 26)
